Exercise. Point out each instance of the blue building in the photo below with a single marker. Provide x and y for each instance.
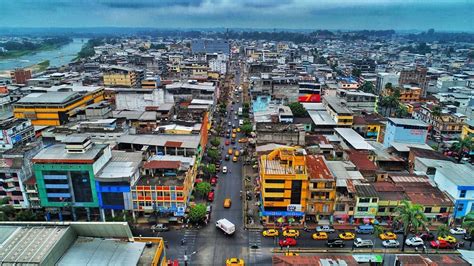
(210, 46)
(403, 130)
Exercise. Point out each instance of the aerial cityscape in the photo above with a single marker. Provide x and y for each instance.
(217, 132)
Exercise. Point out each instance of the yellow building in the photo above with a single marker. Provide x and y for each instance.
(342, 115)
(284, 182)
(407, 93)
(468, 129)
(149, 83)
(322, 189)
(54, 108)
(117, 76)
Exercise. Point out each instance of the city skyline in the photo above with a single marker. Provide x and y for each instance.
(441, 15)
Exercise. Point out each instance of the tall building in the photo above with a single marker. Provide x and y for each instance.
(20, 76)
(383, 78)
(415, 77)
(210, 46)
(118, 76)
(322, 189)
(14, 132)
(284, 181)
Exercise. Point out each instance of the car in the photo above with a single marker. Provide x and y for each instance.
(414, 242)
(210, 196)
(391, 243)
(213, 181)
(388, 236)
(243, 140)
(230, 151)
(236, 153)
(234, 135)
(227, 142)
(227, 203)
(291, 254)
(227, 157)
(457, 231)
(238, 129)
(325, 228)
(441, 244)
(468, 237)
(270, 232)
(234, 262)
(335, 243)
(232, 141)
(224, 170)
(320, 236)
(448, 238)
(234, 159)
(363, 243)
(234, 130)
(291, 233)
(347, 236)
(159, 228)
(287, 242)
(427, 236)
(229, 124)
(227, 136)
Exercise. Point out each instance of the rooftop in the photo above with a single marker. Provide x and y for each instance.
(353, 138)
(274, 167)
(57, 153)
(361, 161)
(321, 118)
(48, 98)
(122, 166)
(366, 190)
(407, 122)
(405, 147)
(317, 168)
(190, 141)
(336, 105)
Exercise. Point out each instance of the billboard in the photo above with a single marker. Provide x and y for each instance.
(309, 98)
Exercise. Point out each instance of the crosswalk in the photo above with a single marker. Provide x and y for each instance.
(189, 246)
(255, 247)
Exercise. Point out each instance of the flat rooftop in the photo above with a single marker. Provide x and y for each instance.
(354, 139)
(405, 147)
(407, 122)
(48, 98)
(322, 118)
(190, 141)
(336, 105)
(122, 166)
(57, 153)
(274, 167)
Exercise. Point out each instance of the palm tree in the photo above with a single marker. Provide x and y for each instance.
(412, 218)
(443, 230)
(469, 226)
(377, 231)
(461, 144)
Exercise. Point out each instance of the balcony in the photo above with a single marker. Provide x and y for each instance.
(322, 189)
(344, 198)
(321, 199)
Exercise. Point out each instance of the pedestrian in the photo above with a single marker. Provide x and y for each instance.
(183, 242)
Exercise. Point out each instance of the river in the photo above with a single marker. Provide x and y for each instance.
(57, 57)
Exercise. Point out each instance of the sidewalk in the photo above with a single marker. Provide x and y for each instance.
(251, 221)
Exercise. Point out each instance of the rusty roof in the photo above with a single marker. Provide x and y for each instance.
(173, 144)
(317, 168)
(321, 260)
(162, 165)
(361, 161)
(366, 190)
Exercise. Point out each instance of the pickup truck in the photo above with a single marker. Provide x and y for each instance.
(325, 228)
(362, 243)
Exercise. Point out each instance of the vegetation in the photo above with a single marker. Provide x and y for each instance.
(209, 169)
(197, 213)
(246, 127)
(461, 145)
(19, 48)
(203, 188)
(88, 48)
(213, 154)
(378, 229)
(412, 218)
(442, 230)
(469, 226)
(356, 72)
(367, 87)
(215, 142)
(298, 109)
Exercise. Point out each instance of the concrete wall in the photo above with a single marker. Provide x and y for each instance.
(405, 135)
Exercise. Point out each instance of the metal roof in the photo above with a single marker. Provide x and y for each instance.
(321, 118)
(354, 139)
(58, 152)
(49, 97)
(407, 122)
(190, 141)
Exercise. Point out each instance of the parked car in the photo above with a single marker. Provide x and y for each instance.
(159, 228)
(291, 233)
(227, 142)
(287, 242)
(213, 181)
(347, 235)
(391, 243)
(325, 228)
(335, 243)
(224, 169)
(363, 243)
(427, 236)
(234, 262)
(457, 231)
(448, 238)
(365, 229)
(210, 196)
(441, 244)
(388, 236)
(414, 242)
(320, 236)
(270, 232)
(468, 237)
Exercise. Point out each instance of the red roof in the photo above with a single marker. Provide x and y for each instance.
(317, 168)
(30, 181)
(361, 161)
(162, 165)
(173, 144)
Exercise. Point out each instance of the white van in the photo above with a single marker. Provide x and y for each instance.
(226, 226)
(360, 243)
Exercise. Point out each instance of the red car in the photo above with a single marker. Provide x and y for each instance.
(213, 181)
(210, 196)
(441, 244)
(287, 242)
(227, 142)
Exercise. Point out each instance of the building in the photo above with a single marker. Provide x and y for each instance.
(192, 90)
(408, 93)
(370, 126)
(118, 76)
(14, 132)
(402, 130)
(416, 77)
(384, 78)
(358, 101)
(284, 185)
(467, 129)
(210, 46)
(65, 174)
(138, 99)
(287, 134)
(447, 123)
(322, 190)
(342, 115)
(309, 92)
(367, 202)
(20, 76)
(13, 174)
(54, 108)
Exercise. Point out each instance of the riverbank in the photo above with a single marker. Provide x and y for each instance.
(19, 53)
(40, 67)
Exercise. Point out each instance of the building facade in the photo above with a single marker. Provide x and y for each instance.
(405, 131)
(322, 190)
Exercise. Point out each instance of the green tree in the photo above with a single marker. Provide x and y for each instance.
(388, 86)
(213, 154)
(25, 215)
(209, 169)
(412, 217)
(197, 213)
(8, 210)
(377, 231)
(298, 109)
(203, 188)
(246, 128)
(367, 87)
(215, 142)
(461, 145)
(401, 111)
(469, 226)
(5, 200)
(442, 230)
(356, 72)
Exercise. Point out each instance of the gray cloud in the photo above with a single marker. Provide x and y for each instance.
(152, 4)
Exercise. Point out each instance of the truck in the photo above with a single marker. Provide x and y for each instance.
(240, 111)
(226, 226)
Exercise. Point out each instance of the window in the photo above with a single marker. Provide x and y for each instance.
(462, 194)
(443, 210)
(275, 181)
(374, 200)
(427, 209)
(328, 185)
(362, 209)
(351, 208)
(391, 209)
(364, 200)
(381, 209)
(340, 207)
(273, 199)
(281, 190)
(460, 206)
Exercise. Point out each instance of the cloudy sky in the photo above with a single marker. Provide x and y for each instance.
(443, 15)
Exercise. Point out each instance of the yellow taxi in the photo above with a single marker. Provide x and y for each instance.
(448, 238)
(230, 151)
(234, 159)
(388, 236)
(243, 140)
(291, 233)
(227, 203)
(291, 254)
(234, 130)
(234, 135)
(234, 262)
(270, 232)
(320, 236)
(347, 236)
(238, 129)
(236, 153)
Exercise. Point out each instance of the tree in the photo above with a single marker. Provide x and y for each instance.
(8, 210)
(209, 169)
(197, 213)
(215, 142)
(246, 128)
(356, 72)
(367, 87)
(401, 111)
(377, 231)
(412, 217)
(298, 109)
(388, 86)
(203, 188)
(25, 215)
(469, 226)
(213, 154)
(461, 145)
(442, 230)
(5, 200)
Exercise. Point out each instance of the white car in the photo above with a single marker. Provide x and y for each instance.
(363, 243)
(457, 231)
(224, 170)
(391, 244)
(325, 228)
(414, 242)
